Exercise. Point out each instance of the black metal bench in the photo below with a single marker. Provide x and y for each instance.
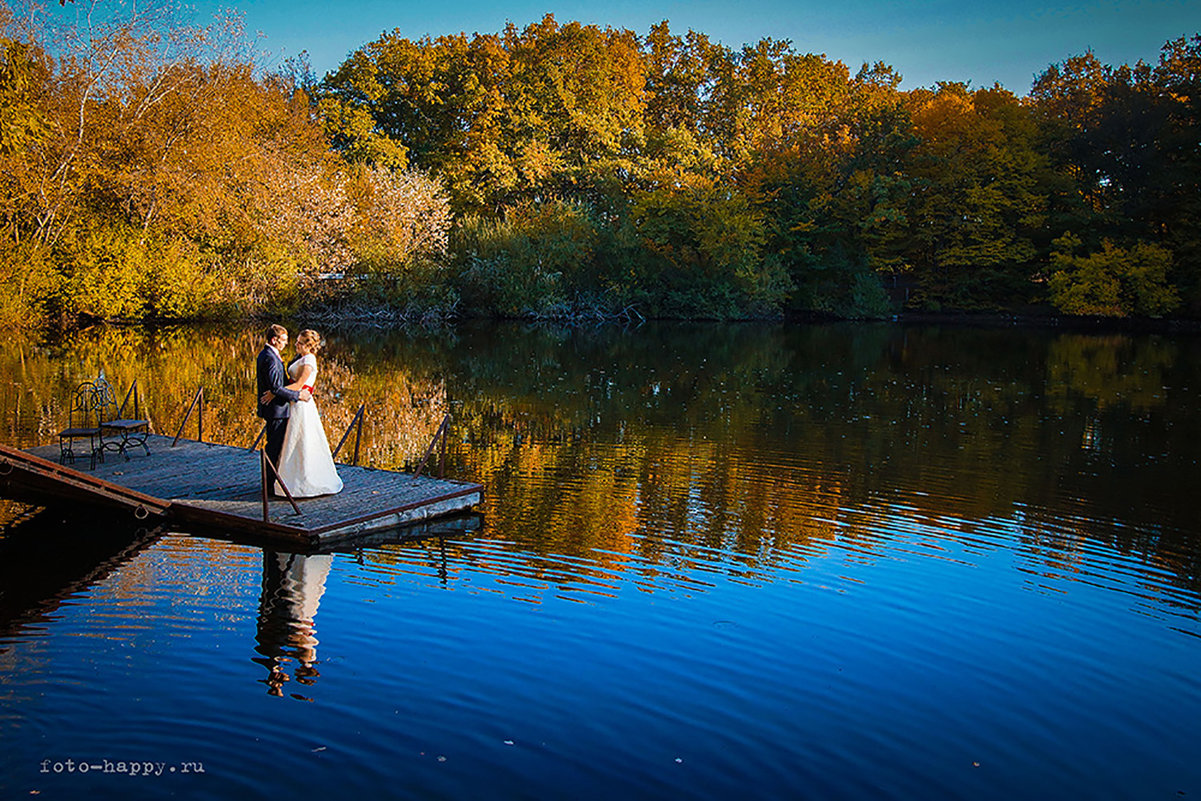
(95, 417)
(124, 432)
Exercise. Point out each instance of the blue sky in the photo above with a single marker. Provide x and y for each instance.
(958, 40)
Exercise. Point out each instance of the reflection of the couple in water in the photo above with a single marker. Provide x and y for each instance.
(293, 583)
(287, 634)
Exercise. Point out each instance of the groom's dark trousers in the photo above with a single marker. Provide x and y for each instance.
(276, 428)
(270, 375)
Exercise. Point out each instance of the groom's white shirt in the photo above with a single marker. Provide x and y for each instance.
(274, 350)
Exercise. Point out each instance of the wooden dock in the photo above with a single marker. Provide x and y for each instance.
(219, 488)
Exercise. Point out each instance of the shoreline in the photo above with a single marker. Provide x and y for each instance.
(1053, 321)
(383, 319)
(1032, 319)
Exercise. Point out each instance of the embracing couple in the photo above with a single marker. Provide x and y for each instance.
(296, 442)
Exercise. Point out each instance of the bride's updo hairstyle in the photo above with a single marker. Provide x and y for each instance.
(310, 339)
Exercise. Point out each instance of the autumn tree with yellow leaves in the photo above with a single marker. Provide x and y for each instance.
(151, 170)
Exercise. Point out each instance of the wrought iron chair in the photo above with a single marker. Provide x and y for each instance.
(83, 422)
(126, 432)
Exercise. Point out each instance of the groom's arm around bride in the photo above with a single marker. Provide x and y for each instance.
(273, 394)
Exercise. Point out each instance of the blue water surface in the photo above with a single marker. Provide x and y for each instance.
(709, 598)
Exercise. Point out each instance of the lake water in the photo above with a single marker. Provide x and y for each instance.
(713, 561)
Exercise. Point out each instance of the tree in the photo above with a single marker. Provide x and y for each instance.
(24, 74)
(707, 246)
(1178, 80)
(1113, 282)
(151, 172)
(1127, 140)
(679, 78)
(548, 111)
(836, 195)
(979, 197)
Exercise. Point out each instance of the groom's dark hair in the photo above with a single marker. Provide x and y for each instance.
(276, 330)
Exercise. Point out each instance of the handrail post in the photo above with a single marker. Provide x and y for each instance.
(272, 474)
(200, 418)
(358, 435)
(263, 481)
(133, 390)
(198, 397)
(356, 420)
(262, 431)
(442, 455)
(441, 432)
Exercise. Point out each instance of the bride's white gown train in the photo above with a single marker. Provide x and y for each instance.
(305, 463)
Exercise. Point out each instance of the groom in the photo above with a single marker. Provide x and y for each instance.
(273, 395)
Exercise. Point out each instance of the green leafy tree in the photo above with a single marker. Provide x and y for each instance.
(836, 203)
(979, 199)
(1178, 80)
(1114, 281)
(1126, 140)
(535, 262)
(705, 245)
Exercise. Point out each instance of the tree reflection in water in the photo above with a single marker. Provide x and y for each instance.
(747, 439)
(49, 556)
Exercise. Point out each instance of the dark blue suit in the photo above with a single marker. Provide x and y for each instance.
(270, 374)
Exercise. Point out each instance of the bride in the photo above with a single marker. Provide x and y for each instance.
(305, 464)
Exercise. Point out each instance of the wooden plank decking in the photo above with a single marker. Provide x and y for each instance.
(218, 487)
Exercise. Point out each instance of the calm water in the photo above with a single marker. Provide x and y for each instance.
(861, 561)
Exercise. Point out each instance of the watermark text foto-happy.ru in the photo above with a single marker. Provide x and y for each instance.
(119, 767)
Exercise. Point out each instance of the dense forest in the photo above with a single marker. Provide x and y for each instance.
(152, 170)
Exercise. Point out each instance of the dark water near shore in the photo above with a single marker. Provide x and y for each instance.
(842, 561)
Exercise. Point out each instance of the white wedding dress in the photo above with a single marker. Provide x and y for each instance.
(305, 463)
